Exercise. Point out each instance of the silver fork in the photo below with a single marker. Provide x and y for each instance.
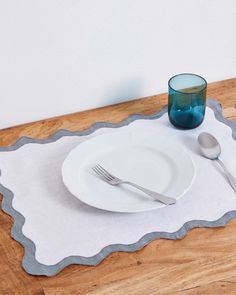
(113, 180)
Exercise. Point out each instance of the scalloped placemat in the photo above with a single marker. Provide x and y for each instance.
(57, 230)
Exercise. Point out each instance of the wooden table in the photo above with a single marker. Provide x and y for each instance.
(204, 262)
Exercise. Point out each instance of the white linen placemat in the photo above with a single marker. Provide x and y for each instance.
(56, 229)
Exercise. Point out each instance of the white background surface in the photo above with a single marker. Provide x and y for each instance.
(59, 57)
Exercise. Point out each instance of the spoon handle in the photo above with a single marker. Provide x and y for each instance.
(231, 178)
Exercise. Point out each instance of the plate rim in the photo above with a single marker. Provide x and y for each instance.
(179, 146)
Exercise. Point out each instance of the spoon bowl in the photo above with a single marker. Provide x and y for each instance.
(209, 146)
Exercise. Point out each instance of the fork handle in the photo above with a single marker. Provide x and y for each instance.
(156, 196)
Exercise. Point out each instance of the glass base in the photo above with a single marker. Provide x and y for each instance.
(186, 118)
(184, 127)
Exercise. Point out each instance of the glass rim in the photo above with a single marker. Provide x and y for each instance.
(190, 74)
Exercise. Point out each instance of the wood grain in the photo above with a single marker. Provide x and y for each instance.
(204, 262)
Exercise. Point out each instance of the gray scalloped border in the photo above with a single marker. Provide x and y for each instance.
(33, 267)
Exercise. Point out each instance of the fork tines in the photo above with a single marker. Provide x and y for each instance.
(98, 169)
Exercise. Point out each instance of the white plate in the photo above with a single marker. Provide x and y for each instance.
(144, 158)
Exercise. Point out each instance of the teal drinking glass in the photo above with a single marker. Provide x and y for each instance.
(187, 100)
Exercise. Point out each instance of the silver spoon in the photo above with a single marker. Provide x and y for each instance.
(211, 149)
